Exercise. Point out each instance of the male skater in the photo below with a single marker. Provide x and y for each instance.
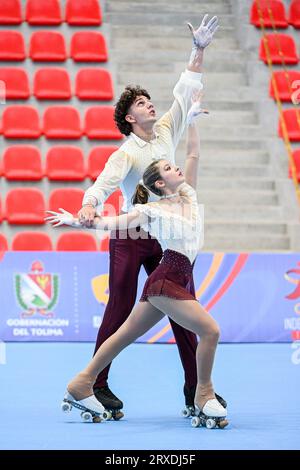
(148, 140)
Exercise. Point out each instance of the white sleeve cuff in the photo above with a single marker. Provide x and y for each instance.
(193, 75)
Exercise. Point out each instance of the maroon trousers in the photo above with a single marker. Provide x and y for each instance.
(126, 258)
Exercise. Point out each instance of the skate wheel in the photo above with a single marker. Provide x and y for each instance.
(118, 415)
(66, 407)
(210, 423)
(195, 422)
(86, 416)
(106, 415)
(186, 413)
(97, 419)
(222, 424)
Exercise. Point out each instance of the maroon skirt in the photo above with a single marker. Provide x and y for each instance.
(171, 278)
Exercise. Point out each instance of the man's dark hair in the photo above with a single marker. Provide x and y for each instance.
(125, 101)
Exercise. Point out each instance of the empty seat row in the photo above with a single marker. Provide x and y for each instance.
(24, 162)
(272, 14)
(48, 12)
(40, 241)
(55, 83)
(59, 122)
(282, 49)
(49, 46)
(28, 205)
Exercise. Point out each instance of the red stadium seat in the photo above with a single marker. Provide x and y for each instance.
(1, 212)
(113, 204)
(62, 122)
(94, 84)
(43, 12)
(52, 84)
(22, 163)
(104, 244)
(282, 49)
(296, 155)
(25, 206)
(88, 46)
(76, 241)
(97, 160)
(83, 12)
(277, 17)
(47, 46)
(3, 243)
(284, 81)
(99, 123)
(10, 12)
(21, 122)
(65, 163)
(16, 83)
(12, 46)
(294, 14)
(292, 124)
(31, 241)
(69, 199)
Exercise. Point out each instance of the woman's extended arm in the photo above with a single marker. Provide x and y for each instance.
(130, 220)
(193, 142)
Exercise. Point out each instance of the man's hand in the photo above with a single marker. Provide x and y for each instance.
(86, 215)
(202, 36)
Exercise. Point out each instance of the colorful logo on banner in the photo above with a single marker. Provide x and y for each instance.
(293, 323)
(36, 291)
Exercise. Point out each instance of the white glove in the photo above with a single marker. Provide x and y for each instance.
(195, 109)
(63, 218)
(204, 34)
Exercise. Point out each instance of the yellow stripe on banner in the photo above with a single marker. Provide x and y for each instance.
(159, 334)
(216, 263)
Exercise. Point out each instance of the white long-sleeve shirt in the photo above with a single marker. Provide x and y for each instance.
(126, 166)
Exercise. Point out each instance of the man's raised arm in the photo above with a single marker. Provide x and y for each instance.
(190, 79)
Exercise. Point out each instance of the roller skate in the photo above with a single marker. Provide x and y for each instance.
(91, 409)
(112, 405)
(189, 409)
(211, 416)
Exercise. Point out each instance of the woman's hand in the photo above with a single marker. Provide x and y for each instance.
(57, 218)
(196, 109)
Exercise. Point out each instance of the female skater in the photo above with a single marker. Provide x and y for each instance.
(176, 221)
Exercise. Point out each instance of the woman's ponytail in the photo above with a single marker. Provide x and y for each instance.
(141, 195)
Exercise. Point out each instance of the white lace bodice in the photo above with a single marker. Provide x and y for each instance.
(175, 231)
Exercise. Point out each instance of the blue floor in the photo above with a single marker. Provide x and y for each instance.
(259, 381)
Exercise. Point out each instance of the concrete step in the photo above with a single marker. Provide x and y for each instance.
(175, 2)
(233, 157)
(240, 184)
(216, 228)
(214, 59)
(132, 18)
(169, 43)
(230, 132)
(150, 31)
(246, 243)
(219, 142)
(244, 213)
(240, 198)
(168, 8)
(168, 80)
(229, 171)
